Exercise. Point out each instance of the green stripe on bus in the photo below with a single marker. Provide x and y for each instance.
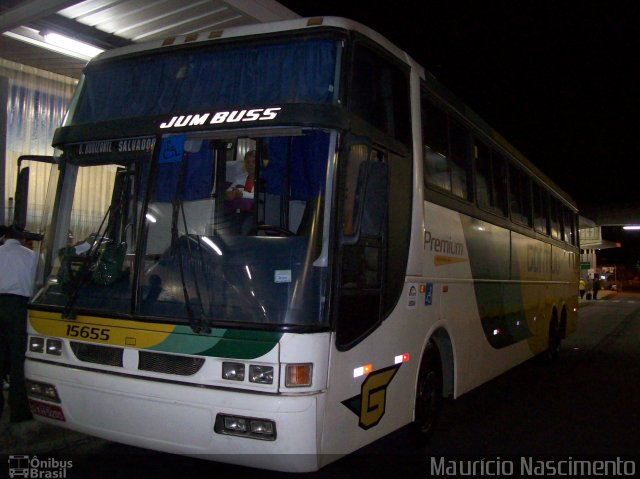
(226, 343)
(501, 304)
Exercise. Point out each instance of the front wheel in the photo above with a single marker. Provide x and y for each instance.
(428, 394)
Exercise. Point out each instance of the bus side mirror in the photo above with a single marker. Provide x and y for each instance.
(21, 204)
(21, 199)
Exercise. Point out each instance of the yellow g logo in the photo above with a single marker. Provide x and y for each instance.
(369, 405)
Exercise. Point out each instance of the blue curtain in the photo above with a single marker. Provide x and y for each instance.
(307, 166)
(197, 181)
(209, 80)
(306, 169)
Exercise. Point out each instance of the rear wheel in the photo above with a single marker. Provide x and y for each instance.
(555, 341)
(428, 393)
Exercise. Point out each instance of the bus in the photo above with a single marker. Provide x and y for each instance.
(391, 250)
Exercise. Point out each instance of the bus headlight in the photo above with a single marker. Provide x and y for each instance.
(261, 374)
(233, 371)
(236, 424)
(54, 346)
(262, 427)
(36, 344)
(42, 391)
(251, 427)
(48, 345)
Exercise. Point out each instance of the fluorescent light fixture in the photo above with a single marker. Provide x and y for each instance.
(74, 46)
(54, 42)
(631, 227)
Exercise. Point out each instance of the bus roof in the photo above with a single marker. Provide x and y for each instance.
(257, 29)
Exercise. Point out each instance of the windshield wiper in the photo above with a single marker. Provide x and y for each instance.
(93, 262)
(87, 259)
(198, 325)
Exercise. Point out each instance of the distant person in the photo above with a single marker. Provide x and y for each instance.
(242, 185)
(596, 285)
(582, 287)
(18, 264)
(239, 196)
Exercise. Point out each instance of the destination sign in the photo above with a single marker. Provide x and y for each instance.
(131, 145)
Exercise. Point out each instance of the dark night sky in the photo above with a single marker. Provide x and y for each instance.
(556, 78)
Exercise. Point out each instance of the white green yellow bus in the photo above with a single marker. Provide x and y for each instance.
(395, 249)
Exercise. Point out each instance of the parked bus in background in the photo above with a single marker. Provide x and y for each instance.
(395, 249)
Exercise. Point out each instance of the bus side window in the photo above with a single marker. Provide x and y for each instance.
(540, 209)
(435, 137)
(520, 196)
(556, 219)
(483, 176)
(365, 192)
(447, 152)
(357, 155)
(491, 184)
(569, 226)
(382, 94)
(460, 144)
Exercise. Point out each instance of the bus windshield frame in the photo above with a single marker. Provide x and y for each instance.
(178, 242)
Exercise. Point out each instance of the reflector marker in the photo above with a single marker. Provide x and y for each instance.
(402, 358)
(362, 370)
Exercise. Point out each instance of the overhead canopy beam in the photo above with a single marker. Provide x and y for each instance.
(620, 215)
(79, 31)
(31, 11)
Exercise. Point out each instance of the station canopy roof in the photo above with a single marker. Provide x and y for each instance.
(108, 24)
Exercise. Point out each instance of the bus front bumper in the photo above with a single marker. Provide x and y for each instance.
(183, 419)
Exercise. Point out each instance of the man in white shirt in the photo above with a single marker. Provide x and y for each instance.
(239, 196)
(17, 272)
(243, 182)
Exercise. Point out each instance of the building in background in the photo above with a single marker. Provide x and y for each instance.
(36, 102)
(591, 241)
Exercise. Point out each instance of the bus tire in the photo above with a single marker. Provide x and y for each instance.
(428, 394)
(555, 341)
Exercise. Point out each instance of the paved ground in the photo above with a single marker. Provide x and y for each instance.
(33, 437)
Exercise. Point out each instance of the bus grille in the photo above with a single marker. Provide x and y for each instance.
(91, 353)
(169, 363)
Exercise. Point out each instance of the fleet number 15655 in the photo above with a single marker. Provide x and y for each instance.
(87, 332)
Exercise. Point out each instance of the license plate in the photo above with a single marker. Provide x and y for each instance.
(50, 411)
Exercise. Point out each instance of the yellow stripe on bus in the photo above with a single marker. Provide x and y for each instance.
(100, 330)
(445, 260)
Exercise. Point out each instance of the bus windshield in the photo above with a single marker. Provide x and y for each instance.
(216, 229)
